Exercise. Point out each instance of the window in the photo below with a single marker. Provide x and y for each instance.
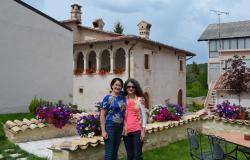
(119, 61)
(226, 44)
(213, 45)
(247, 43)
(181, 65)
(214, 71)
(146, 61)
(80, 90)
(241, 43)
(233, 43)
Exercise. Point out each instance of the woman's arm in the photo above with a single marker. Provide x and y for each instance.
(102, 121)
(144, 121)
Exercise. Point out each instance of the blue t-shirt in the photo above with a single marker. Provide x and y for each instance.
(115, 107)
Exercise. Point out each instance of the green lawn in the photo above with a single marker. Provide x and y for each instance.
(178, 151)
(6, 147)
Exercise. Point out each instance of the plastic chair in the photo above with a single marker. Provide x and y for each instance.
(196, 151)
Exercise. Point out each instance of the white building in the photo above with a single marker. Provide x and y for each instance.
(35, 57)
(99, 56)
(234, 39)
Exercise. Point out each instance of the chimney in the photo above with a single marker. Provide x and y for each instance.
(76, 12)
(98, 24)
(144, 29)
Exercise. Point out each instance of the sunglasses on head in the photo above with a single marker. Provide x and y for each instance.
(133, 87)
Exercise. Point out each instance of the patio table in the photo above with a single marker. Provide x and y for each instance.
(234, 138)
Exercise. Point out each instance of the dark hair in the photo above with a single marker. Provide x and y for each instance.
(138, 90)
(114, 80)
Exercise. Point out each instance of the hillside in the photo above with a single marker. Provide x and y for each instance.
(197, 80)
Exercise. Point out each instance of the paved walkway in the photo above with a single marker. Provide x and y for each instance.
(40, 148)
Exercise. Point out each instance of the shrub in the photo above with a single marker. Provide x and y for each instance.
(34, 104)
(195, 107)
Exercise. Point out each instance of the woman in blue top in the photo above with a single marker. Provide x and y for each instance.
(112, 117)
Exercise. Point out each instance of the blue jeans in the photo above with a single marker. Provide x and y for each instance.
(114, 131)
(133, 145)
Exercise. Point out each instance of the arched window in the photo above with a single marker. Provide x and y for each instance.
(91, 62)
(120, 61)
(79, 64)
(180, 97)
(80, 61)
(105, 61)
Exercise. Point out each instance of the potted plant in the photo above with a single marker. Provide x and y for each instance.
(118, 71)
(102, 72)
(89, 71)
(89, 125)
(243, 114)
(57, 114)
(78, 71)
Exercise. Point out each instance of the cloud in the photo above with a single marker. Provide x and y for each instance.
(175, 22)
(129, 6)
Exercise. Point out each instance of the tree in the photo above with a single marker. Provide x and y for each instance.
(118, 28)
(236, 75)
(195, 69)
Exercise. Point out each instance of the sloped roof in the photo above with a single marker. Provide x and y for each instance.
(220, 83)
(227, 30)
(131, 37)
(42, 14)
(90, 28)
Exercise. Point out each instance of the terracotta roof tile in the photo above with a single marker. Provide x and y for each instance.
(24, 127)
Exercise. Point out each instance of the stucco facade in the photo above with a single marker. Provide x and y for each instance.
(35, 58)
(99, 55)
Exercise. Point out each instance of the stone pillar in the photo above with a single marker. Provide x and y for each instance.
(98, 62)
(85, 57)
(112, 61)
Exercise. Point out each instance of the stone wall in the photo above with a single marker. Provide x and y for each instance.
(158, 135)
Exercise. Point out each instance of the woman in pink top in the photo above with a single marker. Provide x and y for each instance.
(135, 120)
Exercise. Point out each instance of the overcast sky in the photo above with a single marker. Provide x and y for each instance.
(178, 23)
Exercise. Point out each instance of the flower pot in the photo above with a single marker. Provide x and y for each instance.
(49, 120)
(247, 136)
(242, 115)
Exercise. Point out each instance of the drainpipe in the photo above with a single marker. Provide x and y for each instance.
(129, 52)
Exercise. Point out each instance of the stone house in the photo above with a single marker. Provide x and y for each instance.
(99, 56)
(234, 39)
(31, 63)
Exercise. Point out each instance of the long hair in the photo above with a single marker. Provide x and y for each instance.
(138, 90)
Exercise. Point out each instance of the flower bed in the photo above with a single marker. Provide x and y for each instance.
(226, 110)
(58, 114)
(168, 112)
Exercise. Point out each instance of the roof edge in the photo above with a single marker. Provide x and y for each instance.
(42, 14)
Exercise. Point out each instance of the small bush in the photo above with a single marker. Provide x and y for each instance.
(195, 107)
(34, 104)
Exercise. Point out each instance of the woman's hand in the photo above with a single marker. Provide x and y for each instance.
(142, 135)
(142, 100)
(104, 135)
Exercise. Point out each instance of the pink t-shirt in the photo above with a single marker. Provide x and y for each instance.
(133, 116)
